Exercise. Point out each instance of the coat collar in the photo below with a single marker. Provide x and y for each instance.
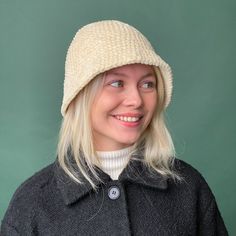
(135, 172)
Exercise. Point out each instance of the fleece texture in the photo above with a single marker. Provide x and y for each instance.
(49, 203)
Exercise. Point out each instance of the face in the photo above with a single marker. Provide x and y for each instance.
(124, 107)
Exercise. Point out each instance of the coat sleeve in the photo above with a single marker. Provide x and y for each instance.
(19, 214)
(212, 222)
(7, 230)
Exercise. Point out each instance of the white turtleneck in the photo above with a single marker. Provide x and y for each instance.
(114, 162)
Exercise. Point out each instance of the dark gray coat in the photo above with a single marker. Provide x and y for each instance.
(139, 203)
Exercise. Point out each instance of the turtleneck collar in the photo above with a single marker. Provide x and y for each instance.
(113, 162)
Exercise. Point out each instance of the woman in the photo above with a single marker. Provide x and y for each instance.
(115, 173)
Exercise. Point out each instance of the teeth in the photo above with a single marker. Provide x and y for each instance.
(127, 118)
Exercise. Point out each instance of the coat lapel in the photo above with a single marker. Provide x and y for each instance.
(135, 172)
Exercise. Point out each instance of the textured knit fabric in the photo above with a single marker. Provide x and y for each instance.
(103, 45)
(49, 203)
(114, 162)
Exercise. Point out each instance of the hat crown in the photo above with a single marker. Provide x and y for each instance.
(111, 33)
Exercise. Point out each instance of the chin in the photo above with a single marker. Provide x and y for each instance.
(129, 142)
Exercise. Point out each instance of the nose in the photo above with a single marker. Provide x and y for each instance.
(133, 98)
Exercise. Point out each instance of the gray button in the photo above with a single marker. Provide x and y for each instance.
(113, 192)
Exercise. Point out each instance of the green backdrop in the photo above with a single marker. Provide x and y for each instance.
(197, 38)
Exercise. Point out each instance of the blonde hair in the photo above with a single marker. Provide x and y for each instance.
(76, 140)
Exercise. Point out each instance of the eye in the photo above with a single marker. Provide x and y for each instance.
(148, 84)
(117, 84)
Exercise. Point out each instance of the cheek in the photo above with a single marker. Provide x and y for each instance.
(107, 103)
(154, 106)
(101, 109)
(151, 103)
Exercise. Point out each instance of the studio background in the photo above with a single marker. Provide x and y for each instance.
(197, 39)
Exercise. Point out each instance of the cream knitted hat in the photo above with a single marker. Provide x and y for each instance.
(103, 45)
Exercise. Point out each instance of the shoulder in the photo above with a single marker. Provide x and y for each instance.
(30, 187)
(188, 172)
(197, 192)
(23, 205)
(192, 182)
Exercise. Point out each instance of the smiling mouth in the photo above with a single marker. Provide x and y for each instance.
(129, 118)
